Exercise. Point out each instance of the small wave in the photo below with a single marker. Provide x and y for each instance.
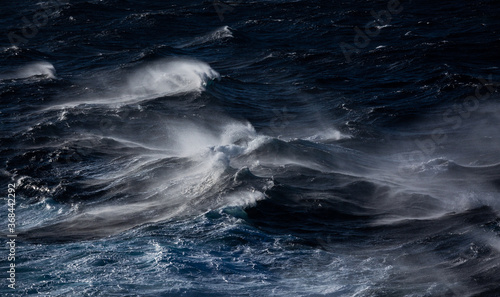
(9, 48)
(218, 34)
(157, 79)
(166, 78)
(44, 69)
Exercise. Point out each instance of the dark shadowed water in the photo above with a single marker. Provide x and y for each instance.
(255, 148)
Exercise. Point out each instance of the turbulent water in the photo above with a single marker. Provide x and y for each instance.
(255, 148)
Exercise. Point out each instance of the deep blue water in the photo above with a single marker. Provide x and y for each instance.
(255, 148)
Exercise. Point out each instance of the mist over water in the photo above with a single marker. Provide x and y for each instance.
(162, 150)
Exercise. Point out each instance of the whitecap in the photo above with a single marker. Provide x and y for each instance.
(163, 78)
(218, 34)
(45, 69)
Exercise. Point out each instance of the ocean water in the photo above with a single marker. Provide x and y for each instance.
(250, 148)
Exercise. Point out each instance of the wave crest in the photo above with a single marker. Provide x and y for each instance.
(34, 69)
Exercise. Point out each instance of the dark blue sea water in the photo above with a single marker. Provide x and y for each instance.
(250, 148)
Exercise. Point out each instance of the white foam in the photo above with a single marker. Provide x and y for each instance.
(189, 138)
(166, 78)
(34, 69)
(244, 198)
(218, 34)
(327, 135)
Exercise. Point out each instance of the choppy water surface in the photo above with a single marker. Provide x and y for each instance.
(273, 148)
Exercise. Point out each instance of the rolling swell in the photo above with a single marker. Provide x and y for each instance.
(159, 151)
